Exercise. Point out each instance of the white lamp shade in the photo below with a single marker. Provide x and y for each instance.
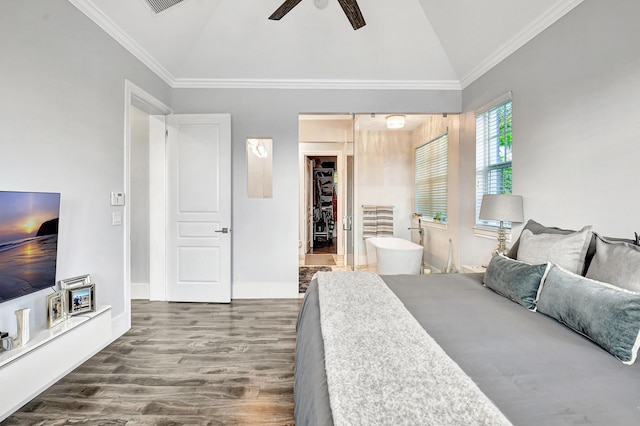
(503, 207)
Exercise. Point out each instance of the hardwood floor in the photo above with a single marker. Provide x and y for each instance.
(183, 363)
(325, 247)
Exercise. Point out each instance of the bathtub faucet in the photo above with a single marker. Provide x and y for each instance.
(420, 231)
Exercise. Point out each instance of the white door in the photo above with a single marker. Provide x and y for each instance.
(199, 208)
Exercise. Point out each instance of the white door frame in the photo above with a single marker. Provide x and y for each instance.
(303, 154)
(140, 98)
(308, 205)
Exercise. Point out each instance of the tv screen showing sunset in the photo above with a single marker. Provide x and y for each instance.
(28, 242)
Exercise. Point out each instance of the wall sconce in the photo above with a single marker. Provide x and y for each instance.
(257, 148)
(259, 167)
(395, 121)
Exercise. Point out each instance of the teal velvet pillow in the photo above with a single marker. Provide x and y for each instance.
(515, 280)
(608, 315)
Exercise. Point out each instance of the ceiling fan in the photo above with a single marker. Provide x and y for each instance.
(350, 8)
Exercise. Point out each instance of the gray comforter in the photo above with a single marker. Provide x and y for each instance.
(536, 370)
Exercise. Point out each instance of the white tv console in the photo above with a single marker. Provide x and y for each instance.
(27, 371)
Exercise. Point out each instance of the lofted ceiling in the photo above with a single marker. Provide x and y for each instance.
(406, 44)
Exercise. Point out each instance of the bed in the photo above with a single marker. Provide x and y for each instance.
(533, 367)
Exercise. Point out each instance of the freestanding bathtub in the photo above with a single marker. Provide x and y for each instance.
(393, 256)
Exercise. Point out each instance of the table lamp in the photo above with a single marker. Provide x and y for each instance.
(502, 207)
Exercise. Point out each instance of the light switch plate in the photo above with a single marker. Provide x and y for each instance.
(117, 198)
(116, 218)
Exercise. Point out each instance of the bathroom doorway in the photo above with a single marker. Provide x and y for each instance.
(324, 141)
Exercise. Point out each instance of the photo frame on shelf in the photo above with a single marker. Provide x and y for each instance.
(79, 281)
(56, 312)
(81, 299)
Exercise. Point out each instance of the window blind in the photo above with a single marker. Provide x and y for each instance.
(431, 178)
(493, 155)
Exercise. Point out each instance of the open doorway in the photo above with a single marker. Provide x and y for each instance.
(376, 160)
(323, 199)
(325, 141)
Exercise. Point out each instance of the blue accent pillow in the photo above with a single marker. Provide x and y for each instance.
(608, 315)
(515, 280)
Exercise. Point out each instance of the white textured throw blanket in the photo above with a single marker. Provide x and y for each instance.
(383, 368)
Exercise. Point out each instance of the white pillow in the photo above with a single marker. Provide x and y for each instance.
(568, 251)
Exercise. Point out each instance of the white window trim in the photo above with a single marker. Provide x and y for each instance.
(436, 224)
(494, 103)
(483, 230)
(490, 232)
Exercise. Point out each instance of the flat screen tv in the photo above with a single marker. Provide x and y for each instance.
(28, 242)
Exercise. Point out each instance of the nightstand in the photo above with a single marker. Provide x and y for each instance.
(467, 269)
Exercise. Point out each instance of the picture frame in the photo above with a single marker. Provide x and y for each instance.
(56, 312)
(81, 299)
(79, 281)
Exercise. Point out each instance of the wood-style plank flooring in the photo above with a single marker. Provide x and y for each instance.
(182, 364)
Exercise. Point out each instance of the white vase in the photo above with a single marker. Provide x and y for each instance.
(22, 316)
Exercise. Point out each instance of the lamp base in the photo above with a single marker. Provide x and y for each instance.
(502, 241)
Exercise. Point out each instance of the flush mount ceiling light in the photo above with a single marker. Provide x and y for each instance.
(395, 121)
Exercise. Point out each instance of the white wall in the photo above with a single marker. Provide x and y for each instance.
(436, 236)
(575, 112)
(384, 175)
(265, 232)
(62, 109)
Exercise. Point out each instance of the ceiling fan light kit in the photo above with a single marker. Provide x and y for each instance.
(350, 8)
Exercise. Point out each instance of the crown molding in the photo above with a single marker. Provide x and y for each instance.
(88, 8)
(523, 37)
(103, 21)
(310, 84)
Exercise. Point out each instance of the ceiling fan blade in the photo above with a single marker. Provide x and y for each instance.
(284, 9)
(353, 13)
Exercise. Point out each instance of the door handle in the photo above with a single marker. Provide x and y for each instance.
(223, 230)
(347, 222)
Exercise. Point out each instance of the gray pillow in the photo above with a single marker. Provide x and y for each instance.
(608, 315)
(515, 280)
(537, 228)
(616, 263)
(568, 251)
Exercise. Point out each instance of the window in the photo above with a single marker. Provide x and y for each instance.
(431, 178)
(493, 154)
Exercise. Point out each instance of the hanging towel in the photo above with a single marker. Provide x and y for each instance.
(377, 221)
(385, 221)
(369, 221)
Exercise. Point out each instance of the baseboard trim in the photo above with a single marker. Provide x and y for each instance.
(119, 325)
(264, 290)
(140, 291)
(434, 270)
